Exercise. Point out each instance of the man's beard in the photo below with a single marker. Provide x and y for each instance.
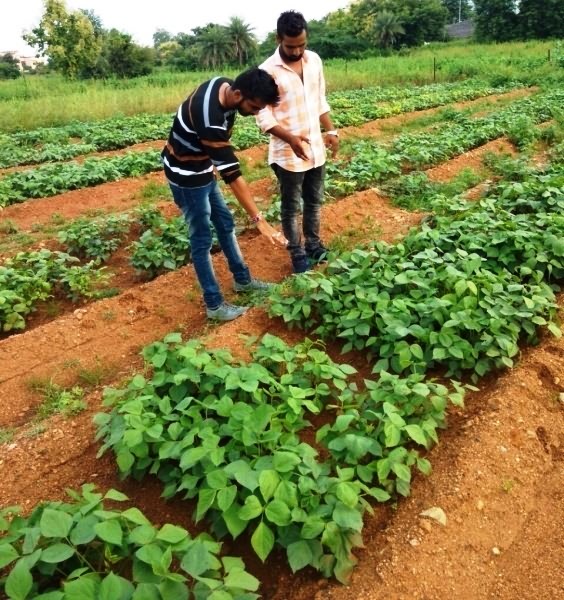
(289, 58)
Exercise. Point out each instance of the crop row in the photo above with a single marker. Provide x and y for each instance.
(352, 107)
(459, 294)
(412, 149)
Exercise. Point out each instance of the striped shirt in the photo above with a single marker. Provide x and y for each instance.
(199, 139)
(301, 105)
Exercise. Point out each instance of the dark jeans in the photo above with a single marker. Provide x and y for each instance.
(294, 187)
(200, 207)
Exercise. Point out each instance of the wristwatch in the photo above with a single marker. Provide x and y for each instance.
(332, 132)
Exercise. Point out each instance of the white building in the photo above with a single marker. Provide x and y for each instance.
(28, 63)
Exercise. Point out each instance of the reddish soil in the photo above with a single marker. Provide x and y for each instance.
(497, 472)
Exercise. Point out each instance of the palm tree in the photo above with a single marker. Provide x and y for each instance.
(386, 28)
(215, 48)
(244, 42)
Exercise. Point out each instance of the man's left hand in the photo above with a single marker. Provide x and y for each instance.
(332, 141)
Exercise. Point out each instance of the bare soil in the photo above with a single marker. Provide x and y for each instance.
(497, 472)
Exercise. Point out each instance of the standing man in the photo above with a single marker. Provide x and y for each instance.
(297, 150)
(198, 145)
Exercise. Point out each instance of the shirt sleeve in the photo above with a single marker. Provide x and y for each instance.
(217, 146)
(265, 119)
(323, 104)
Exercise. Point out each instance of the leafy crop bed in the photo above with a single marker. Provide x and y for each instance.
(287, 448)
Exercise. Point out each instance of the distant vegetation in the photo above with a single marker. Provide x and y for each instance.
(525, 62)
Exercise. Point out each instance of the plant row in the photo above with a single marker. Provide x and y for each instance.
(351, 107)
(460, 294)
(370, 162)
(87, 550)
(49, 180)
(31, 277)
(226, 433)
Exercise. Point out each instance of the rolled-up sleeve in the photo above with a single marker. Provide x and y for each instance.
(265, 119)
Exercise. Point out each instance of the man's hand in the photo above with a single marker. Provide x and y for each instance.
(297, 144)
(332, 142)
(275, 237)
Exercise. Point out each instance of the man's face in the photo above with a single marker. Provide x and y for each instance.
(248, 107)
(292, 48)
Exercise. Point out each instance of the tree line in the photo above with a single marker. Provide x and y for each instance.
(78, 46)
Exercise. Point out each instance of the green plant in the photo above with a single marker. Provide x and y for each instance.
(6, 435)
(8, 227)
(57, 399)
(153, 192)
(97, 239)
(85, 550)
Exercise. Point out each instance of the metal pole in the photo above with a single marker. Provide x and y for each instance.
(434, 69)
(459, 10)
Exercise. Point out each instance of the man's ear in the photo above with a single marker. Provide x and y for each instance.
(237, 97)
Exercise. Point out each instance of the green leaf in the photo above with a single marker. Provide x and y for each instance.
(55, 523)
(240, 579)
(392, 435)
(252, 508)
(83, 588)
(135, 516)
(233, 522)
(268, 482)
(19, 582)
(347, 494)
(114, 587)
(7, 554)
(206, 498)
(83, 532)
(277, 512)
(402, 471)
(312, 528)
(262, 540)
(112, 494)
(217, 479)
(150, 554)
(173, 590)
(299, 555)
(57, 553)
(226, 496)
(197, 559)
(144, 534)
(109, 531)
(124, 460)
(146, 591)
(172, 534)
(285, 461)
(347, 517)
(416, 434)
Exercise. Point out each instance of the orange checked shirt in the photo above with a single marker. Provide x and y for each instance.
(301, 105)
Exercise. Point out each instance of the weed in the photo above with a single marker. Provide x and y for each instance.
(35, 430)
(8, 227)
(367, 231)
(507, 485)
(57, 399)
(93, 377)
(108, 315)
(6, 435)
(153, 191)
(57, 219)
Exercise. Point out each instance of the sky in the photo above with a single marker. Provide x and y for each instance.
(141, 19)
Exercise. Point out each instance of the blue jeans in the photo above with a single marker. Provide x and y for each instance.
(202, 206)
(294, 187)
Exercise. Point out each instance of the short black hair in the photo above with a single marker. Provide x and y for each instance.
(290, 23)
(257, 84)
